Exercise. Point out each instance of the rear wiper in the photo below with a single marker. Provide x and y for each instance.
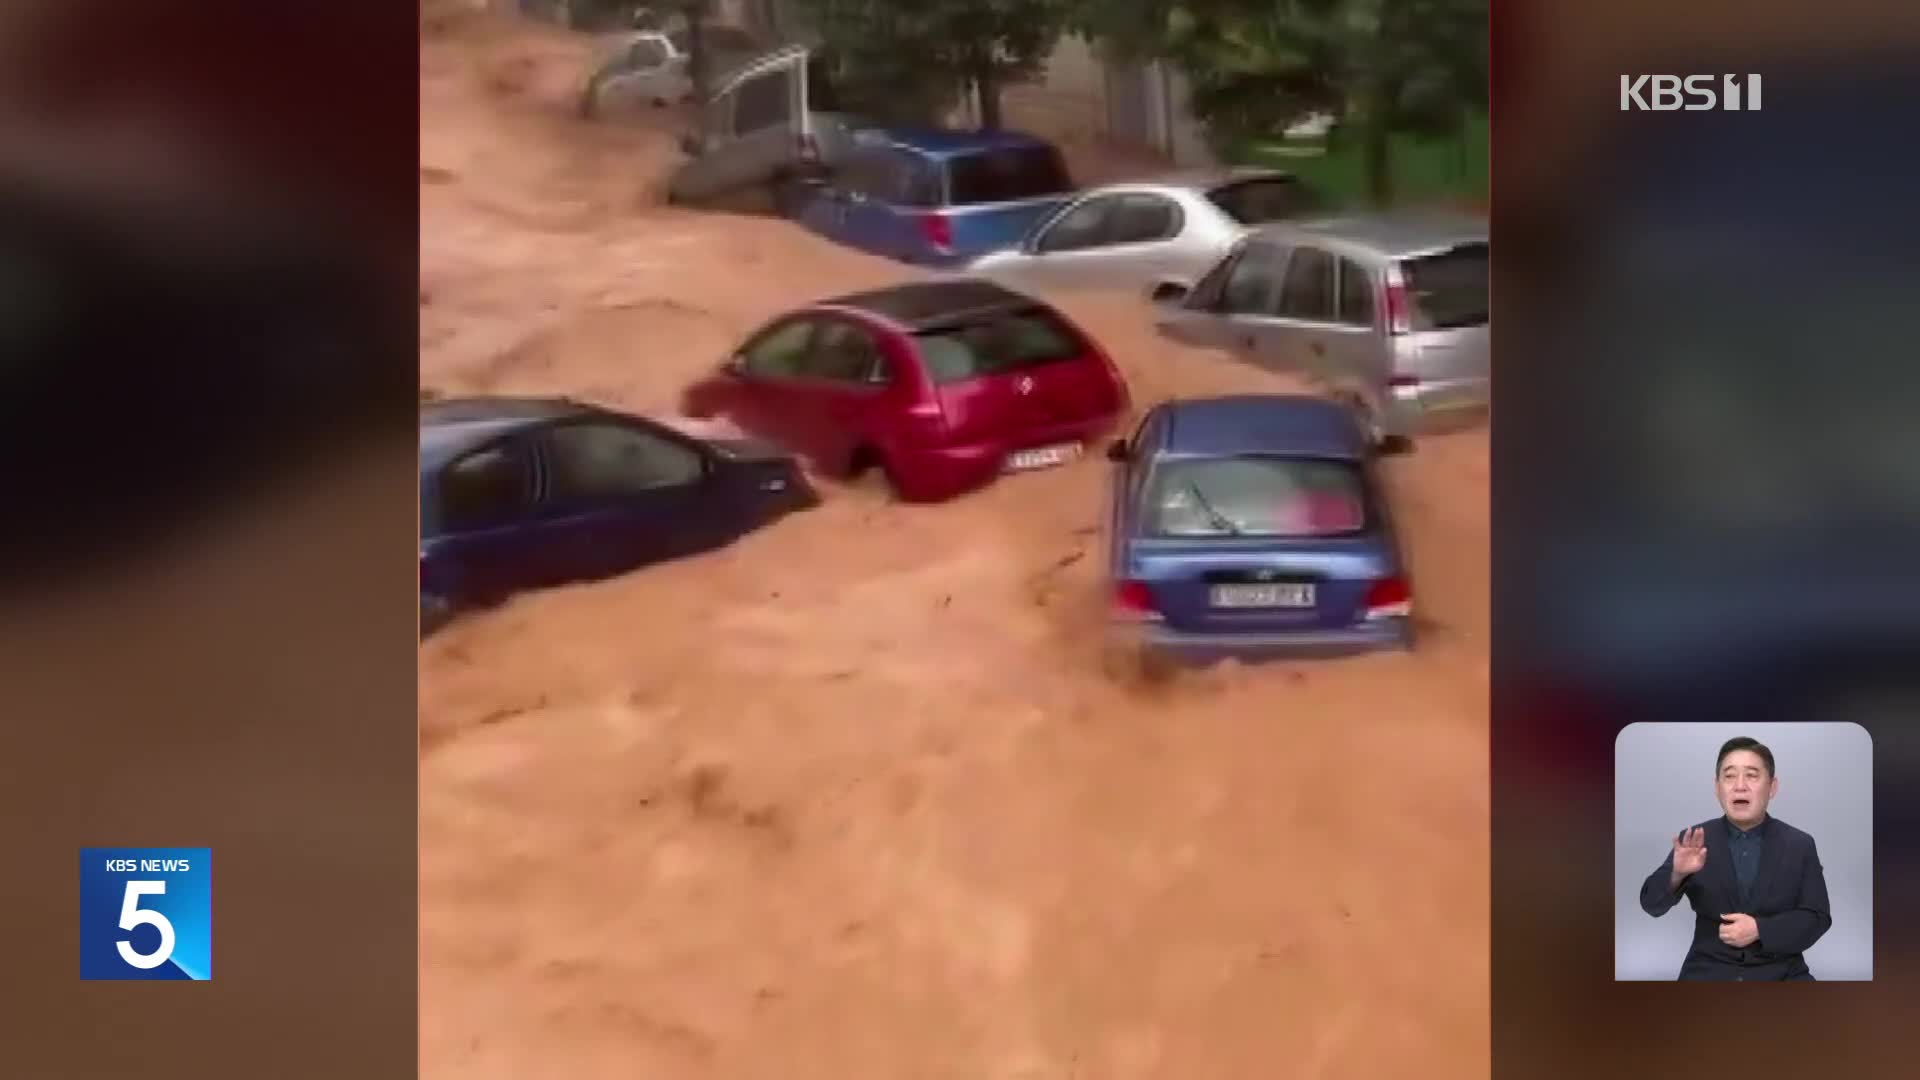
(1214, 517)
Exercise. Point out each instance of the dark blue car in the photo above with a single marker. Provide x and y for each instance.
(1250, 526)
(521, 493)
(936, 198)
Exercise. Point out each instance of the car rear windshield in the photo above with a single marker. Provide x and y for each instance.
(1448, 290)
(1006, 174)
(1257, 495)
(1257, 202)
(997, 344)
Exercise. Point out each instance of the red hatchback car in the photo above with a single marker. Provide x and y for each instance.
(943, 385)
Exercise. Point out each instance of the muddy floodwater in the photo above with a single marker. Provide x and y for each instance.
(854, 798)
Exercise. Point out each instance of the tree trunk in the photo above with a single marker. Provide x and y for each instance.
(697, 72)
(1377, 156)
(986, 82)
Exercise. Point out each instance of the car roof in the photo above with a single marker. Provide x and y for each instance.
(1294, 425)
(941, 142)
(922, 305)
(451, 427)
(1206, 179)
(1394, 235)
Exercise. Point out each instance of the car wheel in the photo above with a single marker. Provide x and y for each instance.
(867, 462)
(787, 198)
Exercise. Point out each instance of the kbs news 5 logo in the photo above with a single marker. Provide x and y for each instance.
(146, 913)
(1663, 93)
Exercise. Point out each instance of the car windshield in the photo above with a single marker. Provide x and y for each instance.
(1256, 495)
(1448, 290)
(1258, 202)
(1006, 174)
(996, 345)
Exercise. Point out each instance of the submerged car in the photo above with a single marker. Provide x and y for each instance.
(1388, 313)
(1252, 526)
(1127, 236)
(523, 493)
(644, 67)
(936, 198)
(940, 385)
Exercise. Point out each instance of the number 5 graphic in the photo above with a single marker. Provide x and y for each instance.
(132, 915)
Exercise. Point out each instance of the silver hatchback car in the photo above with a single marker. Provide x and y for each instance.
(1126, 236)
(1386, 312)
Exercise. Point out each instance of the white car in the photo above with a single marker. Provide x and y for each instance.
(644, 68)
(1131, 235)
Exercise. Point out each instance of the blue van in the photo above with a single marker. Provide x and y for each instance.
(936, 198)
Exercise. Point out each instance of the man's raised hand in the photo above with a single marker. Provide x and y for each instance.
(1689, 853)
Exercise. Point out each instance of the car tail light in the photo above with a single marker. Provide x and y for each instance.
(1401, 382)
(1399, 314)
(928, 418)
(1388, 598)
(938, 230)
(1134, 600)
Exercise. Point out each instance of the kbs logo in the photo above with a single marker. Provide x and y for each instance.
(1663, 93)
(146, 913)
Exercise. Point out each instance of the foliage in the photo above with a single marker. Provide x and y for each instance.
(909, 63)
(1257, 66)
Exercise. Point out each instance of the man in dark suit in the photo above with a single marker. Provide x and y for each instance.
(1758, 894)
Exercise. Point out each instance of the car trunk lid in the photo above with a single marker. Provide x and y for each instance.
(1438, 309)
(1257, 584)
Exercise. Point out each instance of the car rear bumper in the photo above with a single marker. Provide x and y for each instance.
(1202, 648)
(937, 473)
(1439, 405)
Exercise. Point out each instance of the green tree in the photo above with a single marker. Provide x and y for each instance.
(1257, 66)
(911, 62)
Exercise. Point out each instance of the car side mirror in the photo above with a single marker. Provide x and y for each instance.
(1168, 293)
(1117, 452)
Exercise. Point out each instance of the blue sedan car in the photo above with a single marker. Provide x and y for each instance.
(1252, 526)
(936, 198)
(522, 493)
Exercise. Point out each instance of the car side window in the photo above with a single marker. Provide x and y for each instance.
(1143, 219)
(1251, 285)
(781, 352)
(1308, 289)
(488, 487)
(919, 181)
(1356, 294)
(762, 102)
(588, 461)
(1205, 295)
(1143, 437)
(846, 353)
(1082, 227)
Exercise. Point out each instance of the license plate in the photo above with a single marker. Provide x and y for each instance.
(1042, 457)
(1262, 596)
